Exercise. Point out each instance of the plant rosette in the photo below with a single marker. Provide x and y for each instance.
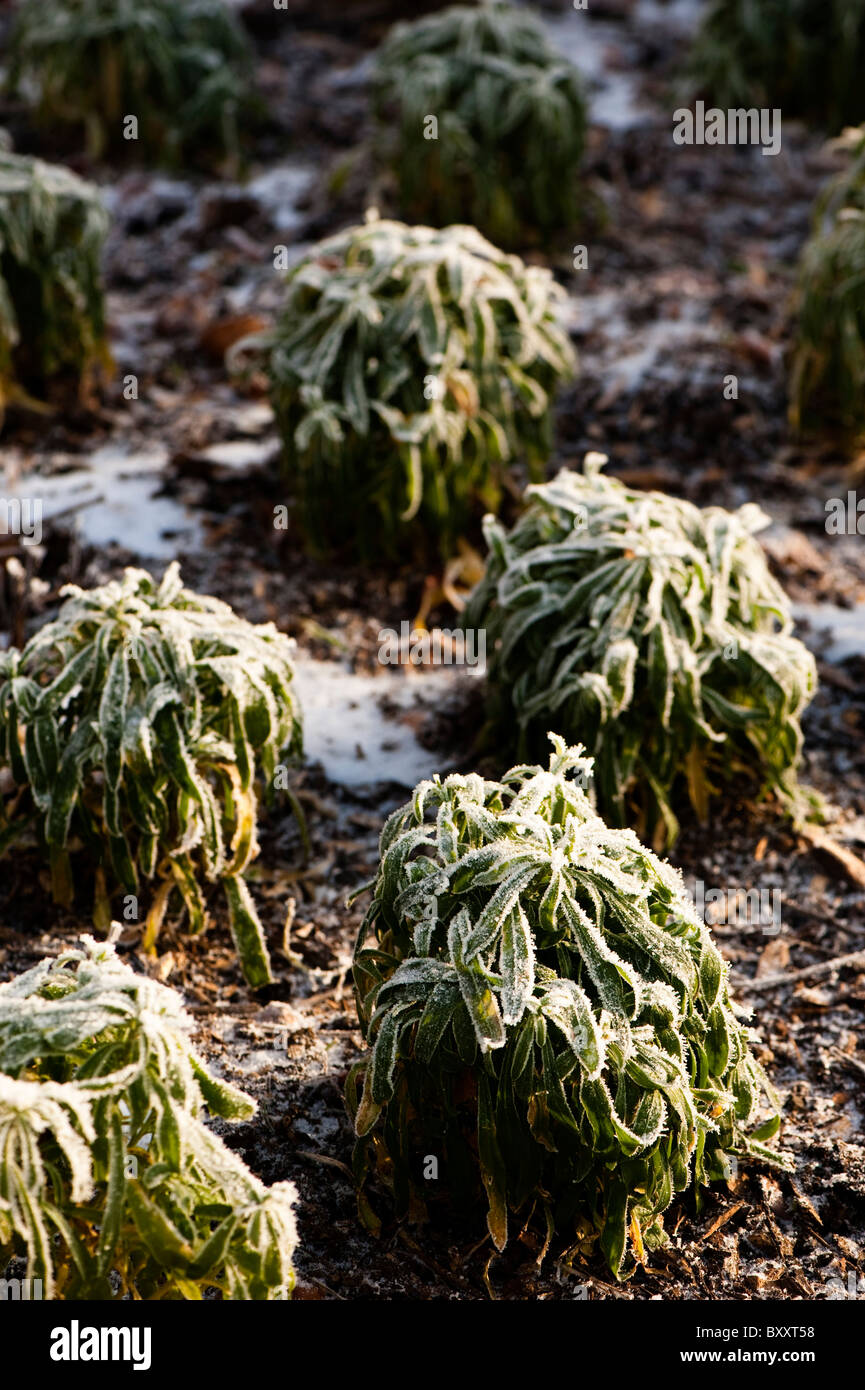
(409, 368)
(653, 631)
(134, 728)
(111, 1185)
(547, 1018)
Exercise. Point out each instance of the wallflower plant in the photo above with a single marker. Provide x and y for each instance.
(134, 727)
(803, 58)
(111, 1185)
(546, 1014)
(653, 630)
(52, 226)
(827, 384)
(511, 121)
(180, 67)
(408, 368)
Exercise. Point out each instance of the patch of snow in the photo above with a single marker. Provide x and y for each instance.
(115, 499)
(844, 627)
(348, 732)
(280, 189)
(590, 44)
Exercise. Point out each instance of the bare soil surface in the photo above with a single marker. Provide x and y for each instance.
(691, 256)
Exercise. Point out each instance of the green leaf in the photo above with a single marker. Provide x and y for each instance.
(114, 1196)
(248, 933)
(474, 986)
(517, 966)
(112, 722)
(492, 1167)
(614, 1234)
(159, 1234)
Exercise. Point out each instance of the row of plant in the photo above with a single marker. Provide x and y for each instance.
(510, 113)
(428, 351)
(381, 350)
(546, 1013)
(409, 367)
(139, 727)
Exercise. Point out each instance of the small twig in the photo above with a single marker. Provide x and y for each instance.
(428, 1262)
(808, 972)
(328, 1161)
(720, 1221)
(311, 1282)
(845, 859)
(74, 507)
(808, 914)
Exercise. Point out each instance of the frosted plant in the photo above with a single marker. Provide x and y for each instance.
(181, 67)
(804, 58)
(547, 1015)
(52, 225)
(134, 727)
(408, 368)
(511, 120)
(652, 630)
(110, 1183)
(827, 387)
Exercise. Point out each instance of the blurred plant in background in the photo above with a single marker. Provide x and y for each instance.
(110, 1184)
(510, 122)
(134, 726)
(827, 385)
(408, 368)
(653, 630)
(182, 68)
(547, 1015)
(803, 57)
(52, 226)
